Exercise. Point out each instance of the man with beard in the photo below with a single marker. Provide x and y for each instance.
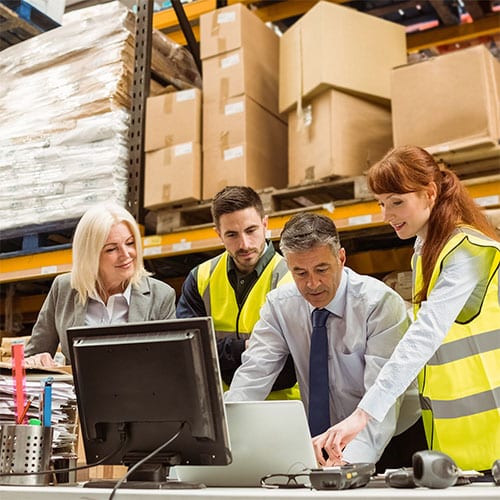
(232, 286)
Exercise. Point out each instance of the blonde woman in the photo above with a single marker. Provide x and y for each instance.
(108, 284)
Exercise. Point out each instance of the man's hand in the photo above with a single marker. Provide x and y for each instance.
(336, 438)
(44, 360)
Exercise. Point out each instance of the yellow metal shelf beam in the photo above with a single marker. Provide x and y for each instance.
(347, 216)
(166, 20)
(485, 26)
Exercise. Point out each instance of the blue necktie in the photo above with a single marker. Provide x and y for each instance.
(319, 401)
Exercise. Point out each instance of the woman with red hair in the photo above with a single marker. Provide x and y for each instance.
(453, 344)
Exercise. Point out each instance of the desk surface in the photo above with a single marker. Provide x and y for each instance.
(478, 491)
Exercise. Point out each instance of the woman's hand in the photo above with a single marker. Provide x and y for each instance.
(337, 437)
(43, 360)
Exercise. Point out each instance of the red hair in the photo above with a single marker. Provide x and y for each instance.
(408, 169)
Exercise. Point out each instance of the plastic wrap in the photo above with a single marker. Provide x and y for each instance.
(64, 101)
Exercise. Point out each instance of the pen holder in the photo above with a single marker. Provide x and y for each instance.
(24, 449)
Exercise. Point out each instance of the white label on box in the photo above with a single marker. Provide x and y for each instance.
(226, 17)
(183, 149)
(360, 219)
(48, 270)
(183, 245)
(232, 153)
(234, 108)
(152, 251)
(229, 61)
(486, 201)
(185, 95)
(152, 240)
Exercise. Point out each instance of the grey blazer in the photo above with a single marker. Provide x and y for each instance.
(150, 300)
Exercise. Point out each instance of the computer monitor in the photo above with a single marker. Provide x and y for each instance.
(139, 384)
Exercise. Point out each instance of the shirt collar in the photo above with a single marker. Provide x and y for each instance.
(126, 294)
(338, 303)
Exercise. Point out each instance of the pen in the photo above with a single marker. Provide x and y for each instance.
(47, 402)
(20, 420)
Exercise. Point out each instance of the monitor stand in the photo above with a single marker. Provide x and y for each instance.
(148, 476)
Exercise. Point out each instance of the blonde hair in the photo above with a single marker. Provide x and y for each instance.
(90, 236)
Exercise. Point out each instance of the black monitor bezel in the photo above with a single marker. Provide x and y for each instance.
(220, 447)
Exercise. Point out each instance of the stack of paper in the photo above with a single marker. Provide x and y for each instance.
(64, 408)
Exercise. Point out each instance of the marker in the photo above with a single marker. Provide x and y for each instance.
(19, 374)
(47, 402)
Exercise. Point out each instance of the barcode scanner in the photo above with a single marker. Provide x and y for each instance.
(495, 472)
(434, 469)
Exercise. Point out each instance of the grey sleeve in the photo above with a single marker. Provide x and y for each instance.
(44, 336)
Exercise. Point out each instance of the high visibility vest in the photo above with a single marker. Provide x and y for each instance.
(220, 302)
(460, 385)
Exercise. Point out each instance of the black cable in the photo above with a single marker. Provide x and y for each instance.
(71, 469)
(145, 459)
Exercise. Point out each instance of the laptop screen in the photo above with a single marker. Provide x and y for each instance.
(267, 437)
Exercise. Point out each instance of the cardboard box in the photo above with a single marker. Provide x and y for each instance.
(173, 118)
(248, 147)
(338, 134)
(448, 103)
(172, 176)
(241, 119)
(251, 71)
(232, 27)
(335, 46)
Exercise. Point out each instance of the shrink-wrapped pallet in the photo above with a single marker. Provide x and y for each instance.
(65, 97)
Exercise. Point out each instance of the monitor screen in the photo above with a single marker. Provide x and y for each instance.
(138, 384)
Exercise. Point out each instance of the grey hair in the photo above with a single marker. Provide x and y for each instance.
(305, 231)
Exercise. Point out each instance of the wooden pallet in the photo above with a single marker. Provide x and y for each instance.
(36, 238)
(475, 167)
(327, 191)
(14, 29)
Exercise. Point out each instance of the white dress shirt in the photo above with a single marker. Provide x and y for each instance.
(115, 311)
(458, 278)
(368, 319)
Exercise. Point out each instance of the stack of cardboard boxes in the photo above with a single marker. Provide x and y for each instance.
(335, 69)
(173, 149)
(244, 138)
(450, 105)
(313, 104)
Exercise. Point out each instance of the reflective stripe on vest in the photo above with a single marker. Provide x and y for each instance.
(460, 384)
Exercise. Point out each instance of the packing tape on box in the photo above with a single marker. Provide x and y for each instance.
(167, 156)
(166, 196)
(168, 105)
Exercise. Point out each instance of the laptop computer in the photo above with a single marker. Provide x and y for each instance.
(267, 437)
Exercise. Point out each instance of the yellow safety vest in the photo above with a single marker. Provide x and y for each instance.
(460, 385)
(220, 302)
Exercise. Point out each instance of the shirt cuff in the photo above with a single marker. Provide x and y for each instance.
(359, 452)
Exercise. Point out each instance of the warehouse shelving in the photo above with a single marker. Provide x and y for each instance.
(350, 216)
(449, 32)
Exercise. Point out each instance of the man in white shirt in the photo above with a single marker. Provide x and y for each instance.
(365, 321)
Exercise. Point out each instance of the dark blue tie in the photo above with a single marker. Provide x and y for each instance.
(319, 401)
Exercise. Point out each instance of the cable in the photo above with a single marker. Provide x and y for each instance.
(145, 459)
(71, 469)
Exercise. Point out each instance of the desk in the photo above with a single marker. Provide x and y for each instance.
(477, 491)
